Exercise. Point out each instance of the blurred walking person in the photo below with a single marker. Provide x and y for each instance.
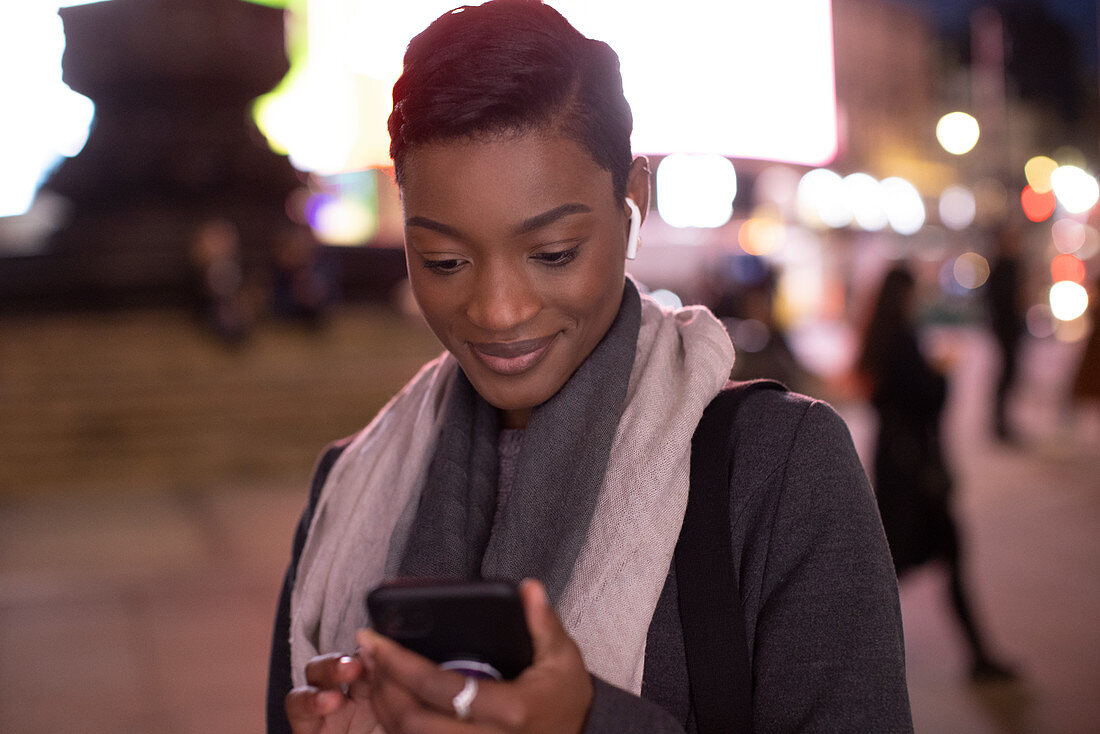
(913, 484)
(1085, 391)
(1006, 320)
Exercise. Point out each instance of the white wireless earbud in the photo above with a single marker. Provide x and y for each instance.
(633, 239)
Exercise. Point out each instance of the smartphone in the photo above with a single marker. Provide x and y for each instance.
(475, 627)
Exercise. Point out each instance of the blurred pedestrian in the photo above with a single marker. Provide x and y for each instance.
(912, 481)
(1006, 314)
(746, 307)
(301, 289)
(1085, 393)
(216, 265)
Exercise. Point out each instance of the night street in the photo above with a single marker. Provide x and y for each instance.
(145, 604)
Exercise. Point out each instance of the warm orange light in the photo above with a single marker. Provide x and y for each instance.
(1038, 170)
(760, 236)
(1067, 267)
(1037, 207)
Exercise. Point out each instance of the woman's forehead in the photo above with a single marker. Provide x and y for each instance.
(513, 171)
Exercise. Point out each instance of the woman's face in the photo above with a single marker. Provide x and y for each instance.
(516, 255)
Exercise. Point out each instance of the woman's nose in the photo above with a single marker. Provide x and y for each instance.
(502, 300)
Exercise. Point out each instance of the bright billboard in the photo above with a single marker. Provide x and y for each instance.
(740, 78)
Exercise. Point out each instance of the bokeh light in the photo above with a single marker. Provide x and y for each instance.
(1037, 171)
(1067, 267)
(341, 220)
(1068, 300)
(1068, 235)
(971, 270)
(1076, 189)
(1091, 248)
(696, 190)
(865, 201)
(341, 210)
(903, 204)
(821, 201)
(957, 207)
(1037, 207)
(1039, 321)
(957, 132)
(749, 335)
(761, 235)
(801, 289)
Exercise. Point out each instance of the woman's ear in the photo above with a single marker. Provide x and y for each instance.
(637, 203)
(637, 184)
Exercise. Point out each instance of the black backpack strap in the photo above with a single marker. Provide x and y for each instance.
(711, 614)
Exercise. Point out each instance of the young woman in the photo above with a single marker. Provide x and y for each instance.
(552, 440)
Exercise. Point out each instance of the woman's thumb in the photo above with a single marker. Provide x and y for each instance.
(542, 622)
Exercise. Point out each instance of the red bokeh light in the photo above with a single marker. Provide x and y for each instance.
(1067, 267)
(1037, 207)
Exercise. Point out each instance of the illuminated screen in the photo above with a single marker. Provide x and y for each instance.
(740, 78)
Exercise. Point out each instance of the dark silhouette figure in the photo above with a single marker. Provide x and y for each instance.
(1086, 384)
(301, 287)
(1007, 322)
(744, 293)
(1085, 391)
(220, 284)
(912, 480)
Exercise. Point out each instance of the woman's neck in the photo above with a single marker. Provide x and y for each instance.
(514, 418)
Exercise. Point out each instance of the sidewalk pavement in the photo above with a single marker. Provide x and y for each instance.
(150, 611)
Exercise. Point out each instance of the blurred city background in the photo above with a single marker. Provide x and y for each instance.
(202, 283)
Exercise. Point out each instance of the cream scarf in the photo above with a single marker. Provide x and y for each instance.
(370, 500)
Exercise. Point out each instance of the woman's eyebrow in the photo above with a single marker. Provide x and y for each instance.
(525, 227)
(433, 225)
(549, 217)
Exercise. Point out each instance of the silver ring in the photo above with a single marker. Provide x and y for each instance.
(473, 667)
(464, 698)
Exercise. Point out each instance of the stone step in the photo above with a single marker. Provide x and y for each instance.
(148, 398)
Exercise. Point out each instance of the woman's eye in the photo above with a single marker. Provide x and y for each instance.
(559, 258)
(443, 267)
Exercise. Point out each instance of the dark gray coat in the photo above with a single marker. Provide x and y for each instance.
(822, 617)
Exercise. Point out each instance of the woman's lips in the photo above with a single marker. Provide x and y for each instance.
(512, 358)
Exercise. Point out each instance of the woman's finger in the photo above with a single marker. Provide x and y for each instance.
(307, 707)
(333, 670)
(432, 687)
(399, 710)
(422, 677)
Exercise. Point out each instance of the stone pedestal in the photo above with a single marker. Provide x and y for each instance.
(173, 146)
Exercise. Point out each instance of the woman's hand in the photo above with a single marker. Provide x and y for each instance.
(335, 701)
(410, 693)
